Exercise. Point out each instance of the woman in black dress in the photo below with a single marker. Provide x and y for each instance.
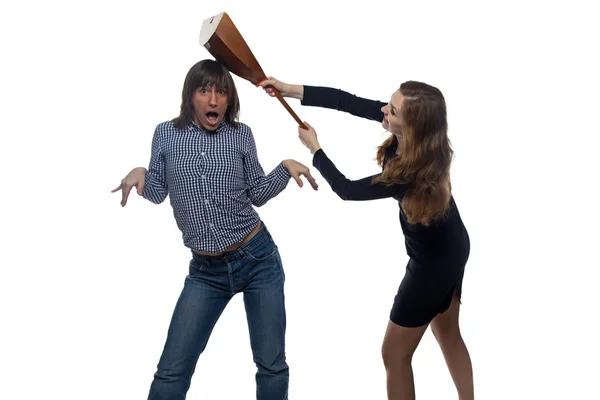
(415, 163)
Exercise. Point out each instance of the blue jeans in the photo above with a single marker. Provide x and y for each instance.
(254, 269)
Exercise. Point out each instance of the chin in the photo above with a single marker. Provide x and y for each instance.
(210, 127)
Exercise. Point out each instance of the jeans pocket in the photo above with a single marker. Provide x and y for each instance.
(195, 266)
(263, 251)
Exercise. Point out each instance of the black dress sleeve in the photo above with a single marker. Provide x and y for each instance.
(342, 101)
(361, 189)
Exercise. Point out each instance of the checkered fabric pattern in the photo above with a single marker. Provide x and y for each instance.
(212, 179)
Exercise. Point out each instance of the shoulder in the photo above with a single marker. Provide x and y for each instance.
(242, 128)
(164, 133)
(169, 128)
(165, 127)
(239, 129)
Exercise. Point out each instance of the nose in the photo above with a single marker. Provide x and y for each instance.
(212, 100)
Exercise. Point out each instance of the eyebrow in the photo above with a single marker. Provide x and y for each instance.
(210, 85)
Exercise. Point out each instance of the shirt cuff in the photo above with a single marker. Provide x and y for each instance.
(145, 190)
(281, 173)
(317, 157)
(307, 97)
(151, 192)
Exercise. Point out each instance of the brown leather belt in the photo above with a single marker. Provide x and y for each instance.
(235, 246)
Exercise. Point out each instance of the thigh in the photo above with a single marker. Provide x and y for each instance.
(447, 322)
(260, 266)
(200, 304)
(264, 300)
(400, 343)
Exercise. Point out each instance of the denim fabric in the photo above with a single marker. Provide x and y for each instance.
(255, 270)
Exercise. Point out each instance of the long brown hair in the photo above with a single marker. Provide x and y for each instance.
(207, 73)
(425, 154)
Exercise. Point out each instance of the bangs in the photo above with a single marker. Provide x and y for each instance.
(212, 74)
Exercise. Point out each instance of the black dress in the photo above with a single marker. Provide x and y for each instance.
(437, 253)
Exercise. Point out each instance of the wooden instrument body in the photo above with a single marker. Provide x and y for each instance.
(225, 43)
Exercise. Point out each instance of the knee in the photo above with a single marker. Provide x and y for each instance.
(395, 356)
(272, 365)
(277, 368)
(170, 384)
(168, 375)
(386, 357)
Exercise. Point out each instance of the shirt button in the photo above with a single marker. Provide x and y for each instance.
(206, 202)
(203, 153)
(203, 176)
(212, 225)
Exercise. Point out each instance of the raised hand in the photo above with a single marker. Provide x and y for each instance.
(286, 89)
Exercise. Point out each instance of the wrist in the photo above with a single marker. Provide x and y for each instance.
(283, 170)
(314, 149)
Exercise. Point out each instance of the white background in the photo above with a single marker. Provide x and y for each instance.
(88, 288)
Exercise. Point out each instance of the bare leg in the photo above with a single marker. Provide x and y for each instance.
(447, 332)
(398, 348)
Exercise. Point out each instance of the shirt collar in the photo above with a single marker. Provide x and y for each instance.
(222, 126)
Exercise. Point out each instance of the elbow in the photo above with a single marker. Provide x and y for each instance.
(158, 200)
(154, 196)
(258, 202)
(342, 192)
(343, 189)
(260, 198)
(344, 196)
(155, 200)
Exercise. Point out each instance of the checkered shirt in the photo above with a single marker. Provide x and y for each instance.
(212, 179)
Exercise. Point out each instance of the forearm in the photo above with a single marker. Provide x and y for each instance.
(340, 100)
(356, 190)
(269, 186)
(154, 190)
(155, 186)
(293, 91)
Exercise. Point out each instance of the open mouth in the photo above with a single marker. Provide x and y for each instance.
(212, 117)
